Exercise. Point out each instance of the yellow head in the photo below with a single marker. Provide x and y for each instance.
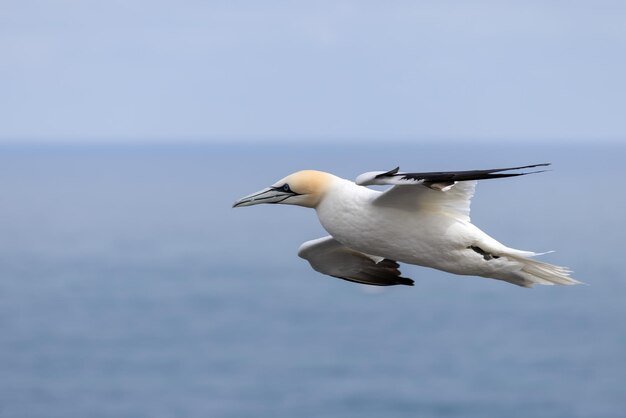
(304, 188)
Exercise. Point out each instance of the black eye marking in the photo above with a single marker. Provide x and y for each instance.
(285, 188)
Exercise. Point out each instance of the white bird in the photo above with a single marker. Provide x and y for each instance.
(423, 219)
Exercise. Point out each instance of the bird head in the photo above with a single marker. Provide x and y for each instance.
(304, 188)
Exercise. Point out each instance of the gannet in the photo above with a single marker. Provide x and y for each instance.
(422, 219)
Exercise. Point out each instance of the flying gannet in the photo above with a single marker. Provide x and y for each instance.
(423, 219)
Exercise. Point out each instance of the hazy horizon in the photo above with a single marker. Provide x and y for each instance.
(365, 141)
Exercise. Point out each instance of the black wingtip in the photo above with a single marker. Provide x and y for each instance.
(405, 281)
(529, 166)
(505, 175)
(493, 172)
(536, 172)
(388, 173)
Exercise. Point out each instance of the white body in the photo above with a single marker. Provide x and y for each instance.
(426, 223)
(426, 238)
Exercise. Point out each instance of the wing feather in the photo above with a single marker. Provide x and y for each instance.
(328, 256)
(396, 177)
(445, 191)
(454, 201)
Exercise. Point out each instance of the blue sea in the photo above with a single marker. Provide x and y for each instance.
(129, 287)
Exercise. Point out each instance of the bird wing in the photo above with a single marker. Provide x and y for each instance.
(448, 191)
(438, 179)
(328, 256)
(454, 201)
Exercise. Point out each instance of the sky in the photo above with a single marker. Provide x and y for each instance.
(118, 70)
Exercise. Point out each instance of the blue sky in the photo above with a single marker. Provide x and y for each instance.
(277, 70)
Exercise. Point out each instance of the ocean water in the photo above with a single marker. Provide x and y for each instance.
(130, 288)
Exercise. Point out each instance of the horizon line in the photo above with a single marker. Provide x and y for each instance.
(301, 139)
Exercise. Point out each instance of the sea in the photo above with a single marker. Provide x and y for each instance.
(129, 287)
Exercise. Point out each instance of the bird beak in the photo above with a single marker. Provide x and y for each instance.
(268, 195)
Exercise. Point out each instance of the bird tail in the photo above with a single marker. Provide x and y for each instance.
(531, 272)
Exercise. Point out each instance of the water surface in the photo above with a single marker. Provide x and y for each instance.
(130, 288)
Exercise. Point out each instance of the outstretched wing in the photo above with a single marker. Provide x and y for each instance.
(445, 191)
(439, 180)
(328, 256)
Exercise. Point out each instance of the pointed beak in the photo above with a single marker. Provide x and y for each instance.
(268, 195)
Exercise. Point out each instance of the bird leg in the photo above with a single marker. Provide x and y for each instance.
(485, 254)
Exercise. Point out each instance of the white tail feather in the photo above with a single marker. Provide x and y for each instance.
(537, 272)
